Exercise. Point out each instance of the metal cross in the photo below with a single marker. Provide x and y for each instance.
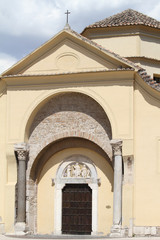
(67, 13)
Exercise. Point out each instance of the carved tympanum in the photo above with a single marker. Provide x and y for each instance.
(77, 170)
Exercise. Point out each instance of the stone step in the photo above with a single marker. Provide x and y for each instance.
(68, 237)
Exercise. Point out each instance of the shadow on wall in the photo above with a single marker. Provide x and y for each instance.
(69, 143)
(98, 160)
(72, 110)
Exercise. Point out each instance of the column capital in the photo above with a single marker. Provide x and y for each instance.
(116, 146)
(21, 150)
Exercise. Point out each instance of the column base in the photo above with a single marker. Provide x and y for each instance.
(117, 231)
(20, 228)
(58, 232)
(2, 228)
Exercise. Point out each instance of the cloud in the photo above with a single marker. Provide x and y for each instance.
(27, 24)
(155, 10)
(46, 17)
(36, 17)
(6, 61)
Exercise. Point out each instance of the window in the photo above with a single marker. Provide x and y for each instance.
(157, 78)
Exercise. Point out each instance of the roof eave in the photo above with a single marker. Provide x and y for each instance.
(118, 26)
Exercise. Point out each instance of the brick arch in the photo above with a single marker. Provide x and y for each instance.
(59, 145)
(45, 97)
(69, 115)
(76, 133)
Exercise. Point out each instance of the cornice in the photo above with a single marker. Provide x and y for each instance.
(94, 78)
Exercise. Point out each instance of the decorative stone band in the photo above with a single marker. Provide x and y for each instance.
(22, 150)
(117, 147)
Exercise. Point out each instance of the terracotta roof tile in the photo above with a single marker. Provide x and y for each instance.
(147, 78)
(68, 72)
(127, 18)
(143, 58)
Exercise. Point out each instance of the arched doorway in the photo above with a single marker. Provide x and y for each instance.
(79, 171)
(68, 121)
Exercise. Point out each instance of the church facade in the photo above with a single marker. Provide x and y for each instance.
(80, 135)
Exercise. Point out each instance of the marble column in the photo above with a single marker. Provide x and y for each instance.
(117, 198)
(21, 150)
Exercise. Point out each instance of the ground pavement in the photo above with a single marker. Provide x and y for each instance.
(4, 237)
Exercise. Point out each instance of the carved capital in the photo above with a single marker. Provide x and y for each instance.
(21, 150)
(117, 147)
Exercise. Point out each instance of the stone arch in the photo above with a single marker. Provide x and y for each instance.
(68, 115)
(59, 145)
(40, 101)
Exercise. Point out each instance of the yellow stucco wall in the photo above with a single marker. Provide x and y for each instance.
(116, 89)
(67, 56)
(147, 158)
(125, 46)
(136, 42)
(2, 159)
(150, 46)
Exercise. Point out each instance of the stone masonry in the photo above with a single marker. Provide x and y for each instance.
(66, 115)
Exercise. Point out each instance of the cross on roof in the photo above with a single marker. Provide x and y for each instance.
(67, 13)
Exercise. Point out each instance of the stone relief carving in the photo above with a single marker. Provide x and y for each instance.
(21, 154)
(77, 170)
(21, 150)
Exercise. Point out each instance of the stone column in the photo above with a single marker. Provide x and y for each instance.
(21, 150)
(117, 198)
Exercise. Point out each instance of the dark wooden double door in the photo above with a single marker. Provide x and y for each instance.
(77, 209)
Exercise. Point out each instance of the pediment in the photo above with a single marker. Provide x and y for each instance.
(67, 56)
(66, 52)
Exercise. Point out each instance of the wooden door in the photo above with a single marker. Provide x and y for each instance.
(76, 209)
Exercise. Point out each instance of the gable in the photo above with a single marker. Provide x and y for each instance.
(68, 52)
(67, 56)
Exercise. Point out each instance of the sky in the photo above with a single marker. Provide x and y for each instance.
(27, 24)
